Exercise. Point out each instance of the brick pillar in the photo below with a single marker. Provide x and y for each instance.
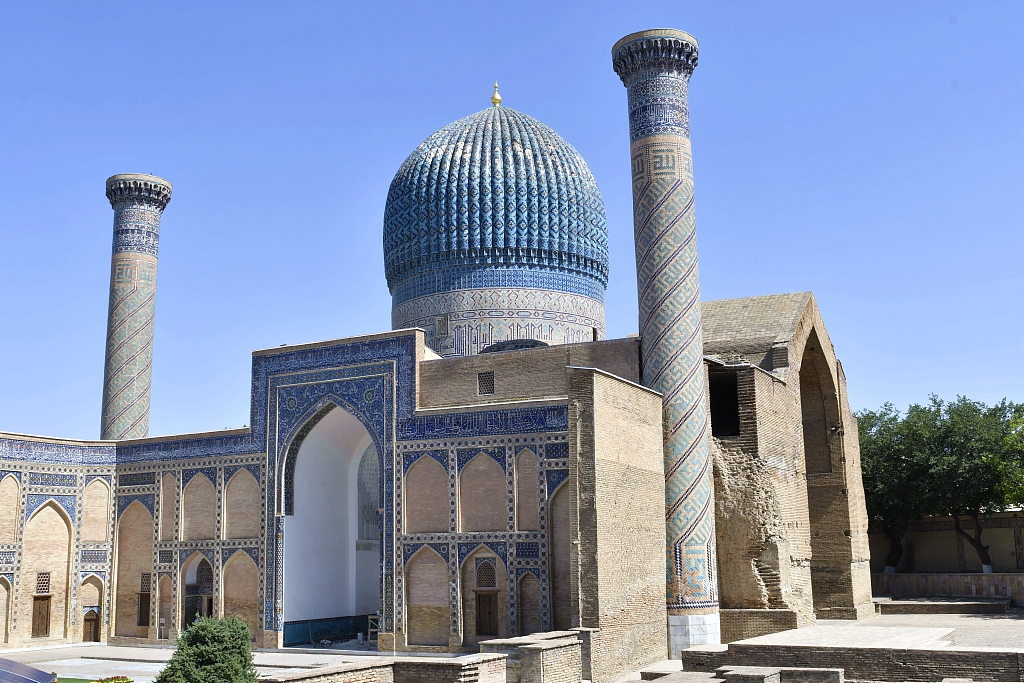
(137, 200)
(655, 66)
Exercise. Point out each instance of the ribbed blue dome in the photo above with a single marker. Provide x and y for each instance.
(495, 191)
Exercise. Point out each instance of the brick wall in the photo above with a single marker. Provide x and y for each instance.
(552, 661)
(617, 461)
(374, 671)
(739, 624)
(481, 668)
(1006, 585)
(522, 375)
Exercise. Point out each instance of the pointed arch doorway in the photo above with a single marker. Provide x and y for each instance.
(331, 533)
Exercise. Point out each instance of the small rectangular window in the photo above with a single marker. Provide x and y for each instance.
(146, 584)
(594, 332)
(143, 619)
(43, 583)
(725, 404)
(441, 326)
(485, 383)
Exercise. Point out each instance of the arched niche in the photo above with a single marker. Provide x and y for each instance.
(10, 506)
(134, 564)
(241, 590)
(560, 539)
(827, 497)
(168, 508)
(483, 498)
(197, 581)
(528, 599)
(322, 521)
(527, 491)
(96, 512)
(90, 597)
(242, 506)
(426, 500)
(199, 509)
(428, 616)
(5, 610)
(484, 596)
(46, 551)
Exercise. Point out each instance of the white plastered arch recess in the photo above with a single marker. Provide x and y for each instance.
(325, 575)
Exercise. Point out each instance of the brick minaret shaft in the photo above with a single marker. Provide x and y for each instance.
(137, 200)
(655, 66)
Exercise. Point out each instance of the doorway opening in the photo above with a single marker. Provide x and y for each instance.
(91, 627)
(197, 598)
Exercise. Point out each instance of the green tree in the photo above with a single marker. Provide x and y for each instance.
(976, 464)
(211, 651)
(896, 470)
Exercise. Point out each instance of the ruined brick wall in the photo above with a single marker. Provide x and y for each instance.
(615, 450)
(761, 509)
(790, 514)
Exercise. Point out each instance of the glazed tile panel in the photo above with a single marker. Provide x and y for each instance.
(655, 68)
(478, 317)
(137, 202)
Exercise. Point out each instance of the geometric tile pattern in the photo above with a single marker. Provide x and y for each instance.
(497, 224)
(138, 202)
(374, 380)
(655, 70)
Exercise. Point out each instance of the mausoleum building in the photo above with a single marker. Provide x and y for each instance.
(493, 466)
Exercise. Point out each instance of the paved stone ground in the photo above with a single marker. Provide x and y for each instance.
(1002, 631)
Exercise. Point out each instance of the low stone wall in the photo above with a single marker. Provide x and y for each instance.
(552, 661)
(953, 585)
(740, 624)
(520, 656)
(870, 664)
(481, 668)
(375, 671)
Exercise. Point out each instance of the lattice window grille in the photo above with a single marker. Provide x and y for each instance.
(485, 575)
(146, 585)
(43, 583)
(485, 383)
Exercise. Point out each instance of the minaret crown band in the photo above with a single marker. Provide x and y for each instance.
(655, 66)
(138, 188)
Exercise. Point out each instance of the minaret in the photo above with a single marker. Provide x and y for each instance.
(137, 200)
(655, 66)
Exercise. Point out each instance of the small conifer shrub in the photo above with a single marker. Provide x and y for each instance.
(211, 651)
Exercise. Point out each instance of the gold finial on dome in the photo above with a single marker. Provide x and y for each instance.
(495, 98)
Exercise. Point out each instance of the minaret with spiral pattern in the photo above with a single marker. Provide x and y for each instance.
(655, 66)
(138, 201)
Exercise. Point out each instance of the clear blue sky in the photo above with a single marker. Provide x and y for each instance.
(872, 152)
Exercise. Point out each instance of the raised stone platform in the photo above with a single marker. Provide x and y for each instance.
(887, 606)
(892, 648)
